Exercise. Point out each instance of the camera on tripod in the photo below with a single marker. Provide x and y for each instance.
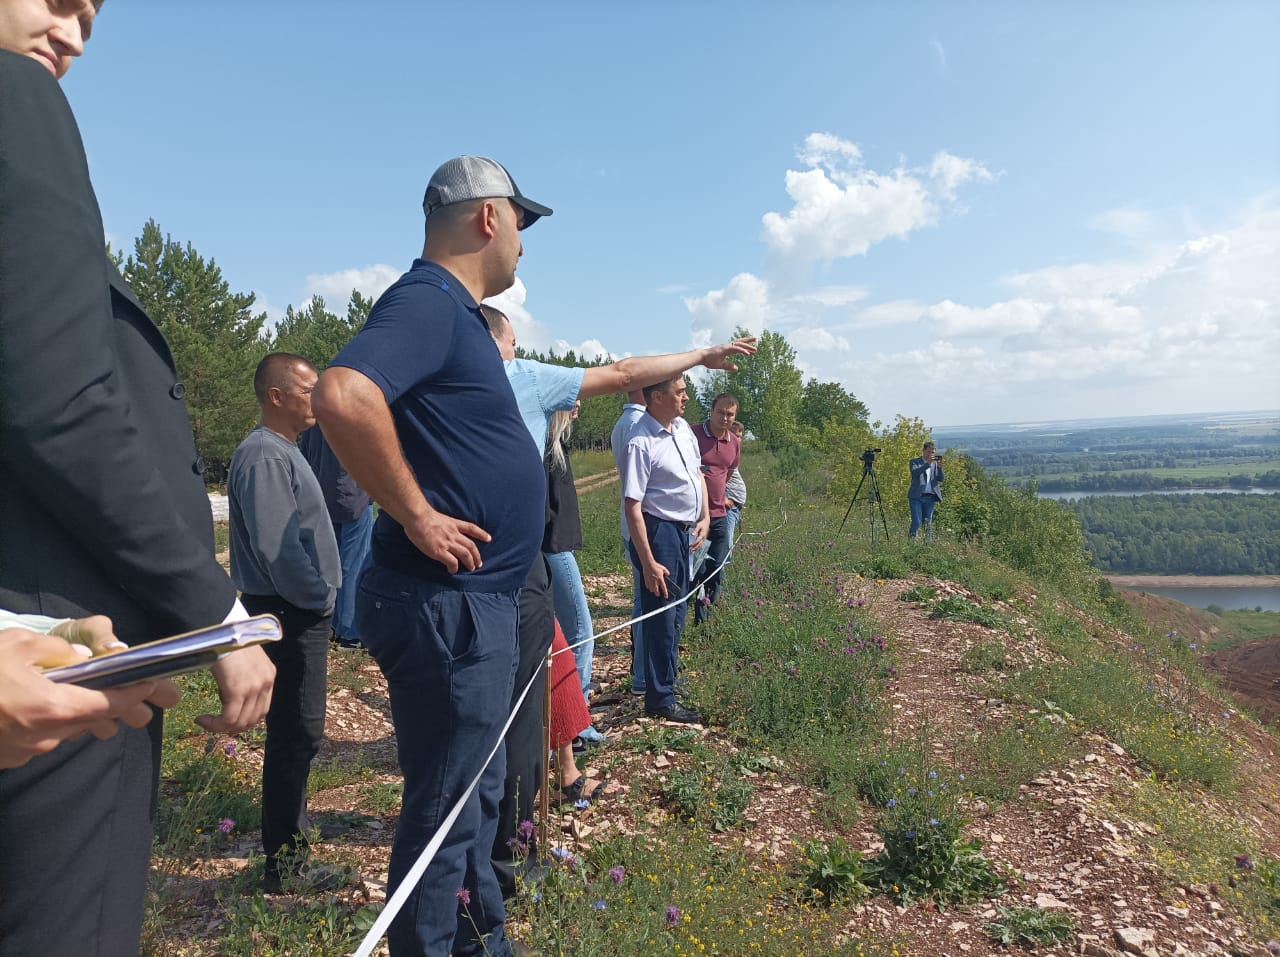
(872, 497)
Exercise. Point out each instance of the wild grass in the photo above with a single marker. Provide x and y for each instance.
(1195, 846)
(686, 896)
(796, 673)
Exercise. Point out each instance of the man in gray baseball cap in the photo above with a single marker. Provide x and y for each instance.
(465, 178)
(419, 411)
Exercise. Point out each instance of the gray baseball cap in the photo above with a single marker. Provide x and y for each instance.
(477, 177)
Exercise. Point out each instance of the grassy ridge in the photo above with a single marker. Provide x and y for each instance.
(797, 673)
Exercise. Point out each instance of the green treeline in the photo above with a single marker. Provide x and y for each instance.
(1182, 534)
(1153, 481)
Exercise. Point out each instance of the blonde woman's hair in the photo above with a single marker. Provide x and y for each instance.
(558, 430)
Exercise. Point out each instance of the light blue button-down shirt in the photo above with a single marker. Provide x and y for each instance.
(663, 470)
(631, 414)
(540, 390)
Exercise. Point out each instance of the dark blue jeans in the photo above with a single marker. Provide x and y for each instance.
(670, 544)
(449, 657)
(922, 514)
(525, 757)
(353, 553)
(719, 538)
(295, 721)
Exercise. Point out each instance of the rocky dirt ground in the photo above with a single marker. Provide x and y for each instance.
(1063, 837)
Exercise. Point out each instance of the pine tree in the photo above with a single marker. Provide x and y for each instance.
(215, 337)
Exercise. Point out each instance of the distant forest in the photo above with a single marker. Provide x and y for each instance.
(1182, 534)
(1131, 458)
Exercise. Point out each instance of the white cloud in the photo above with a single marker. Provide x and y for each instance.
(840, 208)
(586, 350)
(1002, 319)
(744, 302)
(948, 171)
(274, 313)
(1169, 327)
(825, 150)
(819, 340)
(833, 296)
(335, 287)
(530, 333)
(894, 313)
(1191, 325)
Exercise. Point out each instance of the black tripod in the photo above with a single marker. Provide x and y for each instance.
(873, 497)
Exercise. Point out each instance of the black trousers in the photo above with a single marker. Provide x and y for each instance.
(524, 739)
(295, 721)
(75, 843)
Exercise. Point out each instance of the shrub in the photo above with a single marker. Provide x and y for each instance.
(957, 608)
(1029, 926)
(834, 872)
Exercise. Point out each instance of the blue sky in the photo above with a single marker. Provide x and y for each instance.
(964, 211)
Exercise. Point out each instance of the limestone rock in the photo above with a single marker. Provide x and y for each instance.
(1137, 940)
(1049, 902)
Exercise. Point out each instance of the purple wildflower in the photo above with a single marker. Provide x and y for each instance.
(1244, 862)
(616, 874)
(673, 915)
(230, 748)
(526, 829)
(226, 825)
(464, 896)
(599, 905)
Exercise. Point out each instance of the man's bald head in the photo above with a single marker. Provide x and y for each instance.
(278, 370)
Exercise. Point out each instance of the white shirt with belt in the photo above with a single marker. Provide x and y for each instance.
(663, 470)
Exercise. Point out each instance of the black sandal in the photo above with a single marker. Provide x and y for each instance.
(577, 791)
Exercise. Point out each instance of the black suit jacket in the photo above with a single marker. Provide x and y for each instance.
(103, 507)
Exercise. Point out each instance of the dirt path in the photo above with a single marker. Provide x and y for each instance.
(588, 483)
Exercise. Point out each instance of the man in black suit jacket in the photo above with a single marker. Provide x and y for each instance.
(102, 509)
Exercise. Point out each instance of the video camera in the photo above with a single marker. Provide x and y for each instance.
(869, 458)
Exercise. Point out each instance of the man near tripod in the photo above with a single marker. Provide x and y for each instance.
(926, 490)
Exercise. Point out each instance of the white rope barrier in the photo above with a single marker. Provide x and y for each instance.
(407, 886)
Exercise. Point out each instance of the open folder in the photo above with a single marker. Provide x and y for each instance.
(169, 656)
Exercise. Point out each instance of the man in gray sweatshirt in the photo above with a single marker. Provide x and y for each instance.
(284, 559)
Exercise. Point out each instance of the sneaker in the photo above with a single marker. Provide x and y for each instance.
(677, 713)
(638, 692)
(348, 643)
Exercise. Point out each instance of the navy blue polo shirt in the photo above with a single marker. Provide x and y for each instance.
(428, 349)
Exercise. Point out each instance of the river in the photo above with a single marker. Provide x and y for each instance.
(1068, 496)
(1266, 597)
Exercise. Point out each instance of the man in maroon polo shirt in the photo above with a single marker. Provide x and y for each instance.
(721, 449)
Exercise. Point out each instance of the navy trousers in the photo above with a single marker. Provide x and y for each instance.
(670, 544)
(449, 657)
